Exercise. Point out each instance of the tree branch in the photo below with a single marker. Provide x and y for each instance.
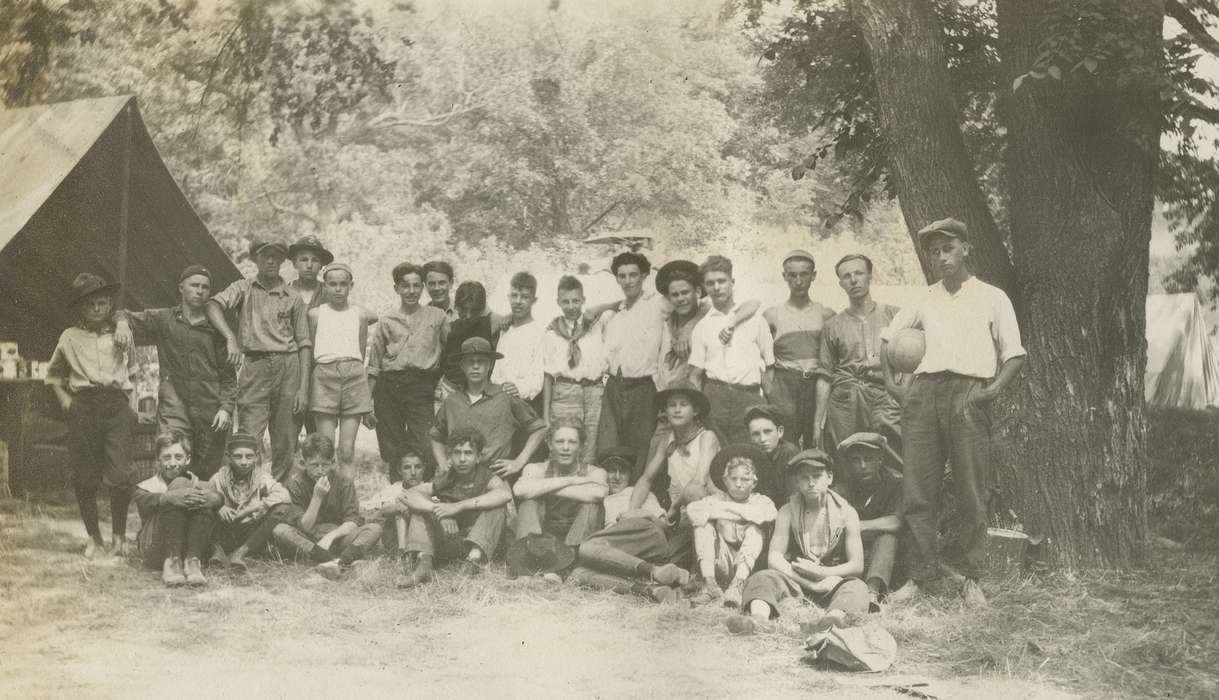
(1192, 26)
(293, 212)
(599, 217)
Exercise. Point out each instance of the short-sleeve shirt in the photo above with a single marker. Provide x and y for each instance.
(461, 331)
(556, 358)
(405, 341)
(494, 414)
(743, 359)
(270, 319)
(850, 345)
(523, 362)
(797, 335)
(969, 333)
(339, 505)
(632, 336)
(84, 359)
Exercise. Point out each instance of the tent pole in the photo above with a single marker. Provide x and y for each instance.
(124, 205)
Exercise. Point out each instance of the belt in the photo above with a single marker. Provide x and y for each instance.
(947, 375)
(98, 392)
(802, 373)
(261, 354)
(631, 381)
(581, 382)
(752, 388)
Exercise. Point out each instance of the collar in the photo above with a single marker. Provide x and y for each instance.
(712, 310)
(180, 316)
(280, 287)
(107, 327)
(489, 390)
(644, 296)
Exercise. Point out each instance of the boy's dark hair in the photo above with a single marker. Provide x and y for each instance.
(854, 256)
(684, 276)
(525, 281)
(403, 269)
(438, 266)
(472, 296)
(569, 283)
(461, 436)
(169, 438)
(317, 445)
(618, 463)
(716, 263)
(631, 258)
(411, 452)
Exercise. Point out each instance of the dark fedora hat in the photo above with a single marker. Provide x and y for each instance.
(689, 267)
(761, 462)
(685, 388)
(87, 285)
(310, 243)
(539, 553)
(475, 347)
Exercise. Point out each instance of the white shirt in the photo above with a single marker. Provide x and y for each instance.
(338, 335)
(742, 360)
(969, 333)
(521, 347)
(632, 336)
(616, 504)
(592, 353)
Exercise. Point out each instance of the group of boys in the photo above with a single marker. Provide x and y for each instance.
(717, 409)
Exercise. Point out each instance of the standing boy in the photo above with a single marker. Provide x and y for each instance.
(308, 255)
(438, 278)
(737, 374)
(403, 367)
(970, 330)
(520, 371)
(248, 495)
(460, 514)
(340, 396)
(91, 376)
(198, 387)
(850, 354)
(274, 351)
(800, 382)
(574, 360)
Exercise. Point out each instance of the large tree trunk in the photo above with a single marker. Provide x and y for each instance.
(922, 129)
(1081, 158)
(1080, 168)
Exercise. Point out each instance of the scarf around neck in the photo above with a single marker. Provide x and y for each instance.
(559, 326)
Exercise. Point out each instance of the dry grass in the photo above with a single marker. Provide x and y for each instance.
(1094, 634)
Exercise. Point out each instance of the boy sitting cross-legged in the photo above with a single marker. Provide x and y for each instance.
(325, 518)
(728, 527)
(460, 514)
(248, 493)
(388, 506)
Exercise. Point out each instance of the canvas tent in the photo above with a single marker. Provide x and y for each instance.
(1182, 369)
(82, 188)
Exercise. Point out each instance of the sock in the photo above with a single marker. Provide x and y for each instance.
(644, 570)
(88, 514)
(120, 497)
(351, 553)
(320, 554)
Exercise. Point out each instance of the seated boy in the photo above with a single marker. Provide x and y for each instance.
(619, 466)
(247, 492)
(816, 552)
(388, 506)
(460, 514)
(176, 515)
(728, 527)
(765, 427)
(325, 517)
(875, 491)
(563, 495)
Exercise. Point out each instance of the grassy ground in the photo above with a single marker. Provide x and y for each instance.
(69, 627)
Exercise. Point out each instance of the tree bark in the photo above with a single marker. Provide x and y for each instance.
(1081, 159)
(922, 130)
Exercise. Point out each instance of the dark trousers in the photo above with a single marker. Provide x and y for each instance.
(857, 405)
(253, 534)
(531, 520)
(402, 404)
(628, 417)
(612, 559)
(939, 427)
(729, 402)
(481, 528)
(175, 532)
(100, 423)
(206, 445)
(796, 396)
(267, 389)
(770, 587)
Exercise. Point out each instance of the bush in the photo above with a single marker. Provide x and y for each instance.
(1183, 475)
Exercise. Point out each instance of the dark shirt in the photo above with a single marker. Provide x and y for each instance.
(886, 499)
(195, 374)
(497, 415)
(338, 507)
(776, 485)
(461, 330)
(450, 488)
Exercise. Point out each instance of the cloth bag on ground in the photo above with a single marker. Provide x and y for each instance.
(869, 648)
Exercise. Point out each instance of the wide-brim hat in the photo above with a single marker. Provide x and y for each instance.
(311, 243)
(685, 388)
(761, 461)
(539, 553)
(666, 273)
(477, 347)
(88, 285)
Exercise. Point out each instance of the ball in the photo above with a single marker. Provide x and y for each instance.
(906, 349)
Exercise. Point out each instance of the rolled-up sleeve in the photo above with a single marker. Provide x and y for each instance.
(233, 295)
(376, 350)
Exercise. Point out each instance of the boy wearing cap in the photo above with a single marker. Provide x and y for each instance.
(619, 466)
(248, 495)
(473, 320)
(403, 367)
(438, 278)
(973, 352)
(816, 551)
(325, 516)
(850, 355)
(874, 490)
(460, 514)
(801, 383)
(736, 374)
(574, 360)
(766, 429)
(562, 496)
(309, 256)
(273, 349)
(728, 527)
(198, 387)
(339, 396)
(485, 407)
(90, 374)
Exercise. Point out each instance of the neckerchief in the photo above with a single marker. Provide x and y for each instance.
(682, 446)
(573, 338)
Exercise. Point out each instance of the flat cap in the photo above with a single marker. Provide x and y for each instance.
(809, 458)
(948, 227)
(868, 441)
(799, 254)
(240, 439)
(193, 270)
(257, 247)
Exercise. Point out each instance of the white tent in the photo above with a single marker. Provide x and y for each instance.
(1182, 370)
